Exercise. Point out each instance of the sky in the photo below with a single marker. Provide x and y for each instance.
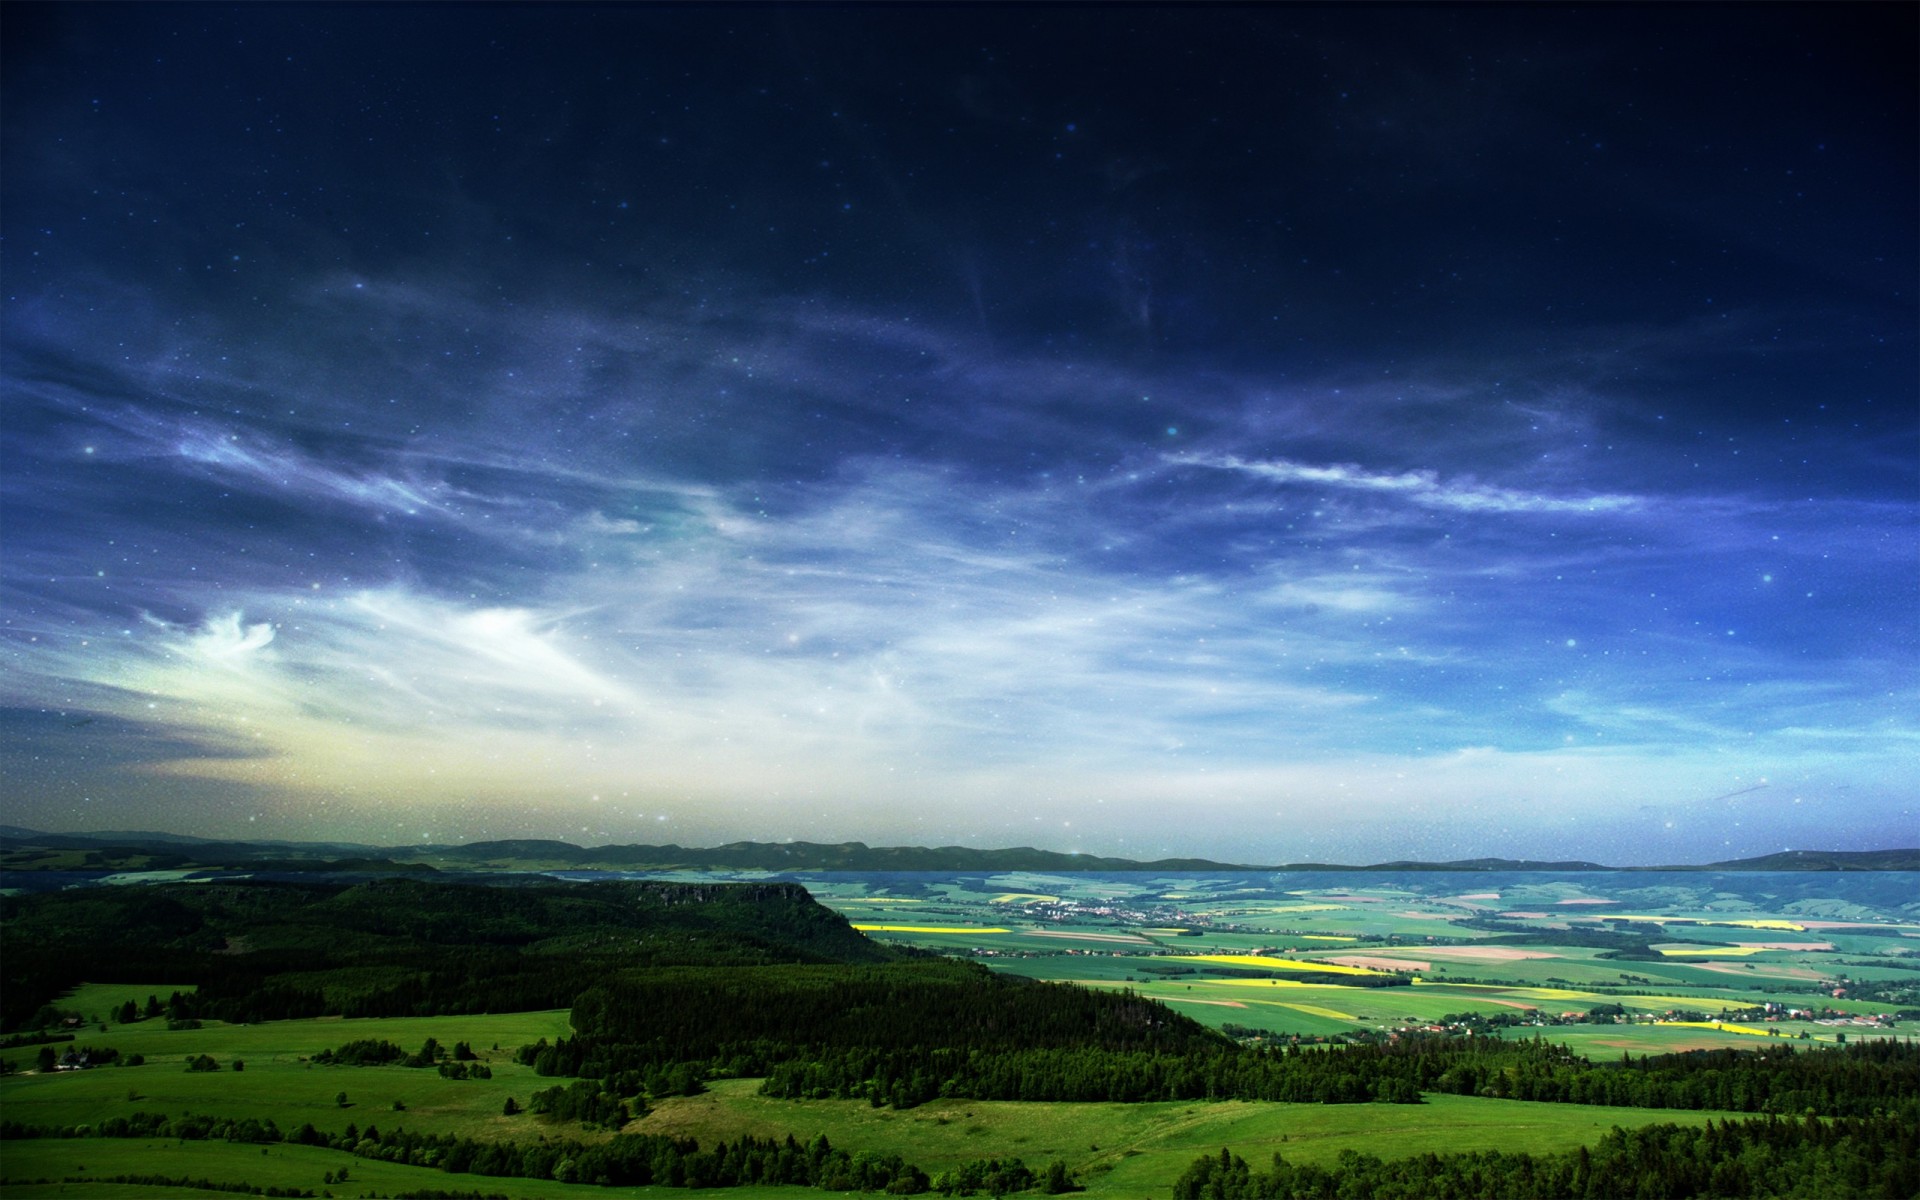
(1275, 434)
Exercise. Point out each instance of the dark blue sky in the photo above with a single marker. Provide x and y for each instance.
(1272, 433)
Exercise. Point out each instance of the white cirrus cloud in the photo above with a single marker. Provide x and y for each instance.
(1425, 488)
(231, 454)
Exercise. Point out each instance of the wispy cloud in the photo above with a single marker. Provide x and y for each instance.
(1422, 487)
(297, 475)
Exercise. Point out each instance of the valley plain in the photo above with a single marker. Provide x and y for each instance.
(1691, 960)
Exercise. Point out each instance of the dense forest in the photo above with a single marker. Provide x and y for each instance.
(773, 1021)
(944, 1002)
(1855, 1080)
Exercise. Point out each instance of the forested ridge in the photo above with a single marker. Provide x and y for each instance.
(399, 947)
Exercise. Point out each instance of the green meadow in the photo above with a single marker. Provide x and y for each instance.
(1116, 1149)
(99, 1002)
(283, 1166)
(1138, 1149)
(279, 1083)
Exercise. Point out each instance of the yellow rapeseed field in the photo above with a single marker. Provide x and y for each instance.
(929, 929)
(1281, 964)
(1285, 983)
(1723, 1026)
(1756, 923)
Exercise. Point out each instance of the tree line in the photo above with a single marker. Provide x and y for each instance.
(629, 1160)
(378, 1052)
(905, 1034)
(1803, 1159)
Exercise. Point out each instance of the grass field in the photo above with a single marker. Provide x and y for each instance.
(222, 1162)
(278, 1084)
(1116, 1149)
(1138, 1149)
(98, 1002)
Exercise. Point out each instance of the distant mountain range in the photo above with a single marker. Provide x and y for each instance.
(28, 849)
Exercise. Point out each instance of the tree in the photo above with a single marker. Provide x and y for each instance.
(340, 1100)
(430, 1053)
(511, 1107)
